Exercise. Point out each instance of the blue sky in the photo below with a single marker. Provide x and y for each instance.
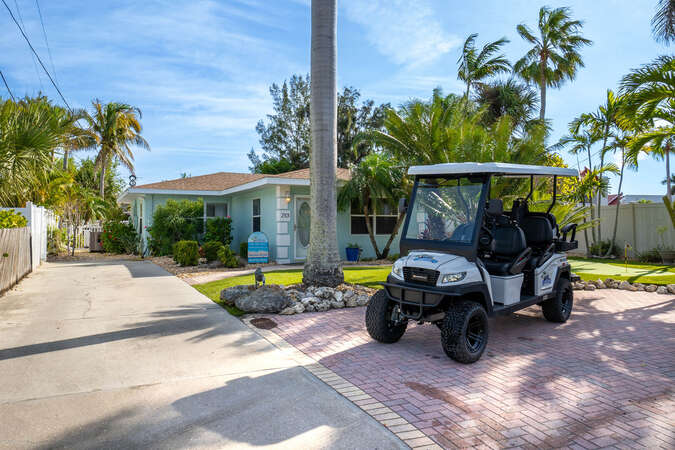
(200, 70)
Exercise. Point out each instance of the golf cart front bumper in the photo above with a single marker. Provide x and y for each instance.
(420, 298)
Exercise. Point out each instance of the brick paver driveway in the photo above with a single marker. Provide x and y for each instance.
(603, 379)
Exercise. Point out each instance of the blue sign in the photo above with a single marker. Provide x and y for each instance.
(258, 248)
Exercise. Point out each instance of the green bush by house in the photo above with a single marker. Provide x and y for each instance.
(227, 257)
(186, 253)
(219, 229)
(12, 219)
(173, 222)
(243, 249)
(120, 238)
(210, 250)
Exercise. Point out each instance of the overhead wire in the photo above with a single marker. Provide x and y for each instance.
(2, 75)
(36, 55)
(37, 71)
(44, 33)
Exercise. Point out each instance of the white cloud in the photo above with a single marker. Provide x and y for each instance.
(405, 31)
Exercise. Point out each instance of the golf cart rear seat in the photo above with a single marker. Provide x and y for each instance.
(509, 250)
(542, 232)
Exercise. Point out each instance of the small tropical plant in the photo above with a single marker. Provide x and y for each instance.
(227, 257)
(12, 219)
(210, 250)
(119, 238)
(186, 253)
(219, 229)
(175, 221)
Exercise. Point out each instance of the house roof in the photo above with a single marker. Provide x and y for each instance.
(222, 183)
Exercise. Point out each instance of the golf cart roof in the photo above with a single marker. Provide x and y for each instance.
(505, 169)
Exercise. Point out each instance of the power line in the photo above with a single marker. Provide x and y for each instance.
(7, 85)
(37, 72)
(36, 55)
(44, 33)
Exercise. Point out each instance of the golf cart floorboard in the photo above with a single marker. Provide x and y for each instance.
(523, 303)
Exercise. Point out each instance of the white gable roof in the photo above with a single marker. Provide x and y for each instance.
(515, 170)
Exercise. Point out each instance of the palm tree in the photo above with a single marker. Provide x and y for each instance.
(555, 55)
(507, 98)
(474, 66)
(375, 179)
(323, 260)
(663, 22)
(650, 97)
(114, 128)
(603, 122)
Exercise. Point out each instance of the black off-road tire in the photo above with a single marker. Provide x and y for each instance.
(378, 319)
(559, 308)
(464, 333)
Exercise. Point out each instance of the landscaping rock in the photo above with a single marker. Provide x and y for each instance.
(589, 287)
(625, 286)
(352, 301)
(639, 286)
(651, 288)
(349, 293)
(287, 311)
(662, 290)
(362, 300)
(324, 292)
(231, 294)
(298, 308)
(338, 295)
(600, 284)
(337, 304)
(611, 283)
(671, 288)
(266, 299)
(322, 306)
(309, 300)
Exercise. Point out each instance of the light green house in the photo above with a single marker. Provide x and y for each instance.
(278, 205)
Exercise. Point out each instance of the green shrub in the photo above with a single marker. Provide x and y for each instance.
(219, 229)
(119, 238)
(243, 249)
(393, 256)
(173, 222)
(186, 253)
(210, 250)
(653, 255)
(56, 240)
(600, 248)
(12, 219)
(227, 257)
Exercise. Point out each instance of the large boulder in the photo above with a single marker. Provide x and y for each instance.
(671, 288)
(265, 299)
(231, 294)
(651, 288)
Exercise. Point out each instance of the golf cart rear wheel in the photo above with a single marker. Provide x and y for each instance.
(559, 308)
(464, 333)
(382, 319)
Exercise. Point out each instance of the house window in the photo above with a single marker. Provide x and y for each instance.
(211, 210)
(256, 215)
(216, 210)
(383, 218)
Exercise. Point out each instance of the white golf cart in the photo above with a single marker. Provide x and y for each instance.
(466, 259)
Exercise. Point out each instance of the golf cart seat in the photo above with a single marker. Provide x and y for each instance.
(509, 250)
(539, 236)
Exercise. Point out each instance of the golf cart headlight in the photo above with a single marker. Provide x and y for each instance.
(397, 269)
(453, 277)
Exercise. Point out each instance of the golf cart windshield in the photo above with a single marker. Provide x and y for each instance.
(445, 209)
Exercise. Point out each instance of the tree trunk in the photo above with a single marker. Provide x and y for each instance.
(618, 202)
(65, 159)
(468, 88)
(101, 182)
(602, 164)
(399, 222)
(542, 93)
(669, 193)
(371, 232)
(323, 265)
(590, 203)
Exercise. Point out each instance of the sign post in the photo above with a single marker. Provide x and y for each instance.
(258, 248)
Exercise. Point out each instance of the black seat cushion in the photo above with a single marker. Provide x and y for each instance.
(498, 267)
(508, 240)
(538, 231)
(550, 217)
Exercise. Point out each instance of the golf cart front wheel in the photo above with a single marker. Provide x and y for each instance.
(559, 308)
(383, 319)
(464, 333)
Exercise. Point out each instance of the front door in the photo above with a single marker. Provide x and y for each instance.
(302, 221)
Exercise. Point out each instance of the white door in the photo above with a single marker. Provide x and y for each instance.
(302, 220)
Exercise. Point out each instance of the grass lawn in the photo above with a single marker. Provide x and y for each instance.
(592, 269)
(366, 276)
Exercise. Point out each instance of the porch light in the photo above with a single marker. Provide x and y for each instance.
(288, 199)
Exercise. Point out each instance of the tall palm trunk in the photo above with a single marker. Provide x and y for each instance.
(371, 232)
(669, 193)
(65, 159)
(590, 201)
(602, 164)
(618, 202)
(101, 182)
(323, 259)
(542, 88)
(399, 222)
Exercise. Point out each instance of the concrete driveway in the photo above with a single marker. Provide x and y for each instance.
(121, 354)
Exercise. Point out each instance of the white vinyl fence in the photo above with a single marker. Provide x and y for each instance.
(643, 226)
(39, 219)
(83, 233)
